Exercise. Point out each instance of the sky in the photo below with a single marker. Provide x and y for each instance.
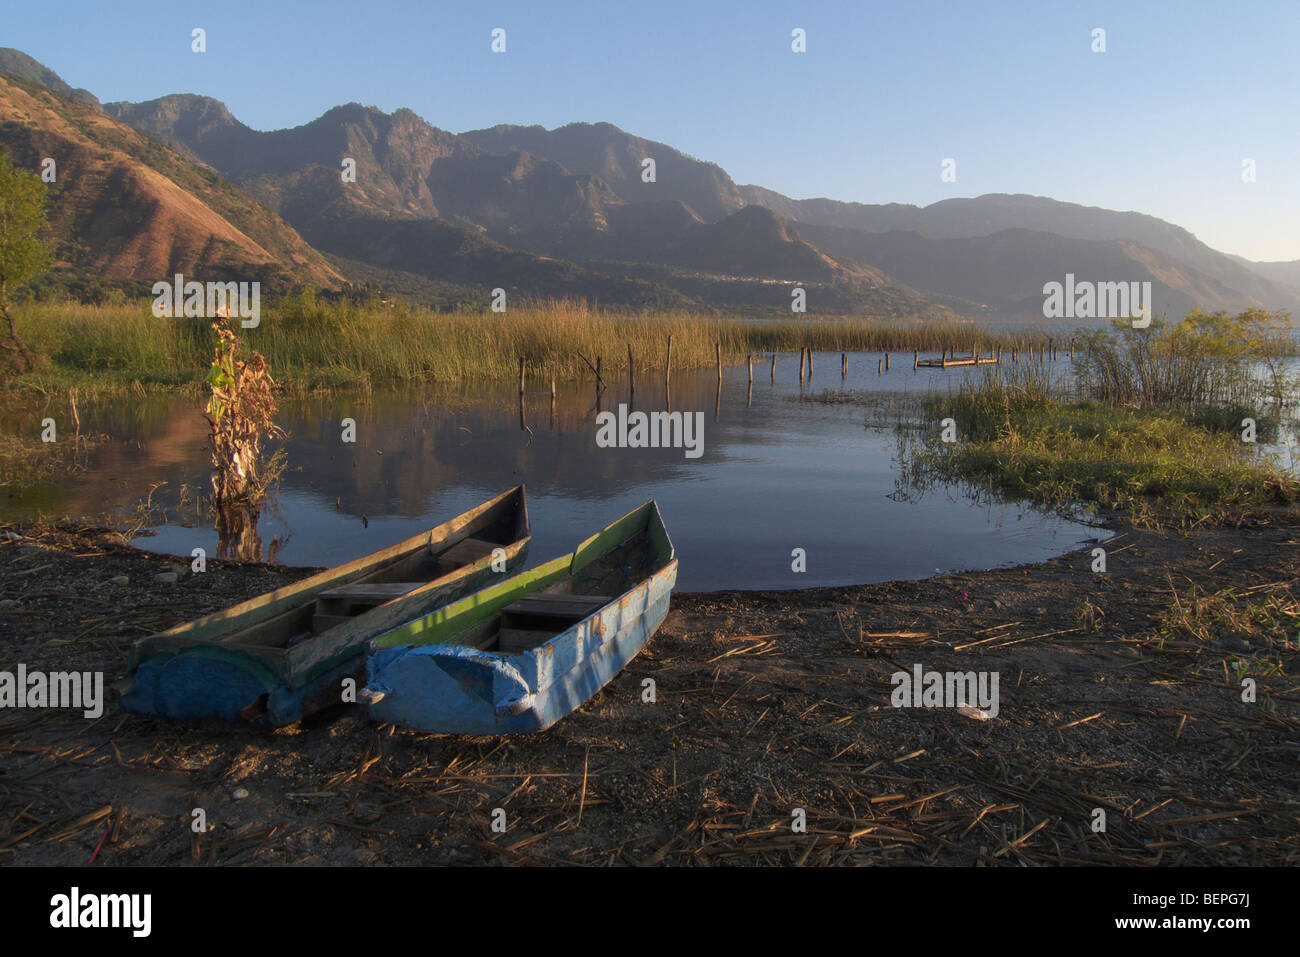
(1164, 121)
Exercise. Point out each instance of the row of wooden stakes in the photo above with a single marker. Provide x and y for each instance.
(947, 358)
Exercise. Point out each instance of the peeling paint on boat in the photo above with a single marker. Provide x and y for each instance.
(439, 685)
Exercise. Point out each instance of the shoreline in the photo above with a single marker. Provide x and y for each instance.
(766, 701)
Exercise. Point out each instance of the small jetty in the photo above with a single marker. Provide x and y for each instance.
(947, 360)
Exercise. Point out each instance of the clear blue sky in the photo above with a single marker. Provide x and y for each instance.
(1159, 123)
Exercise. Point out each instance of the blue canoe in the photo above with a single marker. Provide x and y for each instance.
(278, 657)
(522, 654)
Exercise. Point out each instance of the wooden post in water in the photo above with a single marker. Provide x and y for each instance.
(523, 425)
(717, 352)
(886, 361)
(880, 366)
(668, 379)
(810, 363)
(773, 368)
(916, 358)
(749, 363)
(844, 365)
(802, 350)
(600, 379)
(552, 394)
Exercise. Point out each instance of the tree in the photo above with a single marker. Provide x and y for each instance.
(23, 254)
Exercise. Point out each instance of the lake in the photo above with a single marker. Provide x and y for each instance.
(775, 474)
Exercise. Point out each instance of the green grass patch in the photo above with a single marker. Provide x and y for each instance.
(1020, 439)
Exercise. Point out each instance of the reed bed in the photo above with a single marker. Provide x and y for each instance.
(314, 343)
(1019, 432)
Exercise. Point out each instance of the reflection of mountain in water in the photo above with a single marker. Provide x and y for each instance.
(408, 449)
(776, 474)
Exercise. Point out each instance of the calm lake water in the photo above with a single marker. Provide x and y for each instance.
(776, 474)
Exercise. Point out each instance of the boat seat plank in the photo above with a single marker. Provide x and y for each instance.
(372, 592)
(467, 552)
(567, 607)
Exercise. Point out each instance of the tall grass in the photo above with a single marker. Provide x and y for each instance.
(1017, 432)
(1204, 360)
(310, 343)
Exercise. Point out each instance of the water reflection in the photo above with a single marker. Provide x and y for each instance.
(776, 474)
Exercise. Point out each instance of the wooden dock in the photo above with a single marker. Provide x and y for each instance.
(946, 361)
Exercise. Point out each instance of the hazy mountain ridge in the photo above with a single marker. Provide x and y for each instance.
(990, 214)
(1006, 272)
(409, 172)
(567, 212)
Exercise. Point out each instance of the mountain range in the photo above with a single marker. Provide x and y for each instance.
(180, 184)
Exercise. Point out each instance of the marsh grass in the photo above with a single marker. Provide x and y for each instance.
(1017, 433)
(1204, 361)
(25, 461)
(313, 343)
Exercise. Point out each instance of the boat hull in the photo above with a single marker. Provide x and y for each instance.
(455, 689)
(204, 670)
(197, 686)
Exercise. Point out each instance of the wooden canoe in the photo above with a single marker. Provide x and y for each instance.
(521, 654)
(275, 658)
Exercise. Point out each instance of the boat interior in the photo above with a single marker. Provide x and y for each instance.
(538, 612)
(338, 604)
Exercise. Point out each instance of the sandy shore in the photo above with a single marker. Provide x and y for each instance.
(767, 702)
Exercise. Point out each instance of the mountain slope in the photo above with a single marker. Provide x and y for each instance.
(969, 218)
(567, 212)
(1285, 273)
(1005, 272)
(19, 64)
(123, 205)
(430, 203)
(616, 157)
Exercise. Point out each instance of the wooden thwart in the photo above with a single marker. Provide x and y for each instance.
(464, 553)
(373, 593)
(535, 619)
(558, 606)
